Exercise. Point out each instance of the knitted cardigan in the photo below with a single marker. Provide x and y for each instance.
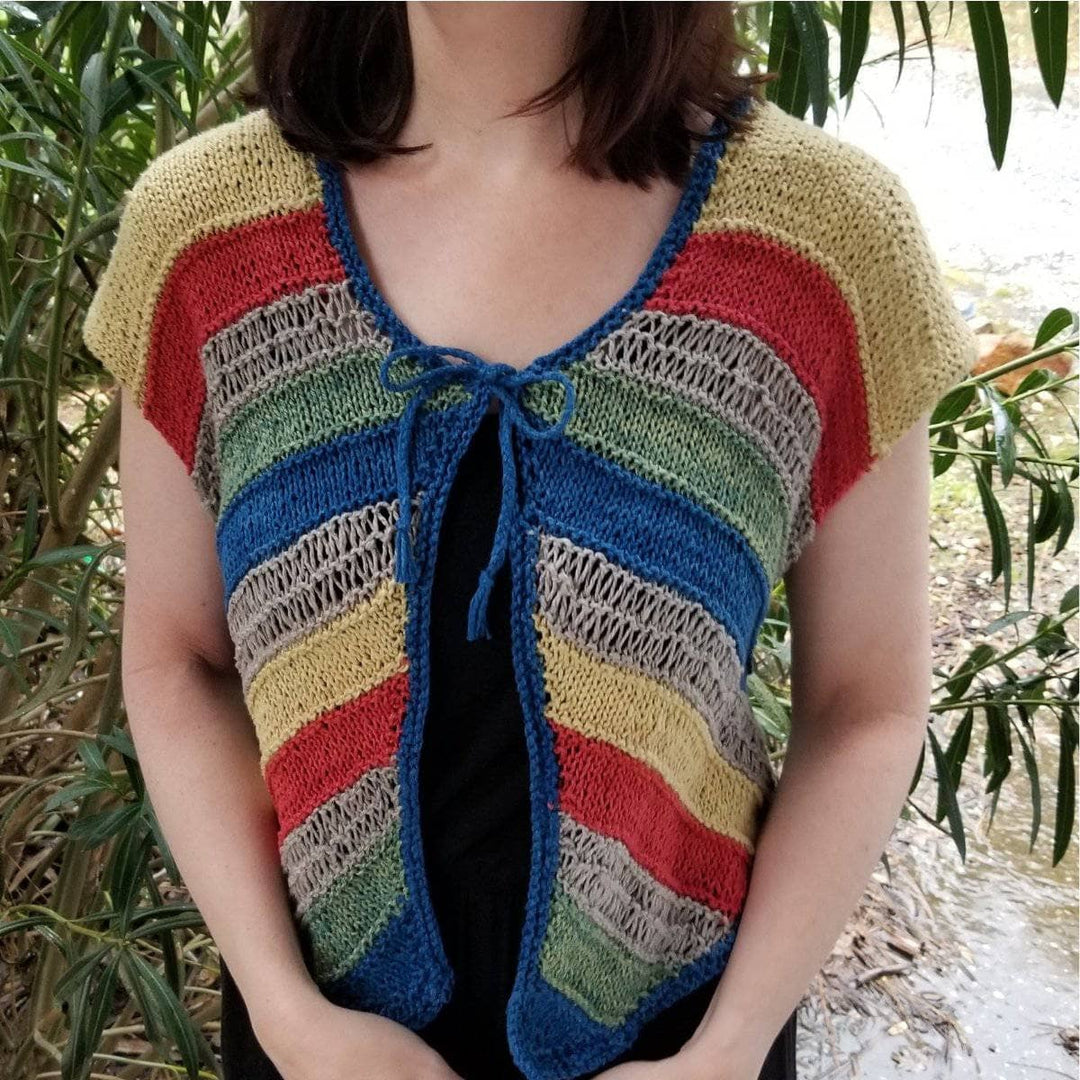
(662, 471)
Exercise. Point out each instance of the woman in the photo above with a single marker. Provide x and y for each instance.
(555, 884)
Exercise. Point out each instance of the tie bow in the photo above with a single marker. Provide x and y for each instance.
(478, 376)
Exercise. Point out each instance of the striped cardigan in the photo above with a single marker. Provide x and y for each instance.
(662, 471)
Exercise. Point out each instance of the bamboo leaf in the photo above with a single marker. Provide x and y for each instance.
(947, 795)
(992, 56)
(1065, 813)
(1050, 32)
(814, 50)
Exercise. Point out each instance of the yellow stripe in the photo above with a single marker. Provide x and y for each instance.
(843, 209)
(228, 176)
(653, 724)
(332, 665)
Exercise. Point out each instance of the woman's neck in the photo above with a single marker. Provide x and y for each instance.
(475, 62)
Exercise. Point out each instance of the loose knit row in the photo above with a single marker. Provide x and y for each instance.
(667, 466)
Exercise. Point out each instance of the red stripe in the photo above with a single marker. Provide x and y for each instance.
(213, 283)
(610, 792)
(331, 752)
(791, 303)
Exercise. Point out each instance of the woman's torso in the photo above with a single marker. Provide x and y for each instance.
(474, 809)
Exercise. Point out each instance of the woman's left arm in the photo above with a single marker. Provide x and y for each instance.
(861, 680)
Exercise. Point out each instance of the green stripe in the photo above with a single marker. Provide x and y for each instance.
(586, 964)
(341, 925)
(665, 438)
(311, 408)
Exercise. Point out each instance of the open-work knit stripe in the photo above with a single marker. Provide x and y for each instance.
(204, 469)
(867, 237)
(651, 921)
(656, 827)
(658, 534)
(793, 305)
(326, 572)
(331, 754)
(306, 489)
(315, 407)
(246, 265)
(678, 444)
(646, 720)
(232, 175)
(731, 372)
(342, 923)
(593, 969)
(338, 834)
(328, 667)
(280, 340)
(617, 616)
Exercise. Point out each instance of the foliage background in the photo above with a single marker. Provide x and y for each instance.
(105, 965)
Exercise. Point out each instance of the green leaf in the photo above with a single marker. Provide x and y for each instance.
(156, 995)
(992, 55)
(1054, 323)
(997, 761)
(790, 91)
(947, 795)
(1065, 814)
(1000, 545)
(1067, 513)
(1032, 767)
(959, 682)
(1050, 32)
(854, 36)
(953, 404)
(1004, 433)
(771, 713)
(93, 91)
(814, 49)
(901, 35)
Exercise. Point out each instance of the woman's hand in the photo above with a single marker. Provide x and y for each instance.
(323, 1041)
(694, 1062)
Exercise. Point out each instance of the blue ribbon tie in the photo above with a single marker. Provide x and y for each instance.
(477, 376)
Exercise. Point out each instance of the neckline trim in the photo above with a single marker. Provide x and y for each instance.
(672, 241)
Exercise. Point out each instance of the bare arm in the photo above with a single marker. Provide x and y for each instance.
(861, 668)
(200, 758)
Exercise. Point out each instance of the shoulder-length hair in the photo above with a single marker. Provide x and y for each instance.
(338, 80)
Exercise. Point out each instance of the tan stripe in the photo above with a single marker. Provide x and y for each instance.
(642, 625)
(843, 209)
(339, 834)
(653, 724)
(233, 174)
(319, 577)
(736, 376)
(281, 340)
(337, 663)
(652, 921)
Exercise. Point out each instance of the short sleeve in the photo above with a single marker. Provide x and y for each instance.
(139, 325)
(915, 343)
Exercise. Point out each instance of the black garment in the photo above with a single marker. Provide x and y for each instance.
(474, 806)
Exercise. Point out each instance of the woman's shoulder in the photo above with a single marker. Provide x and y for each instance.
(226, 175)
(788, 175)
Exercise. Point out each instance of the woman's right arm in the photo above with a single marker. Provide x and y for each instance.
(200, 759)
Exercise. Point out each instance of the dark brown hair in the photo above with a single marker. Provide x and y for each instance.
(337, 78)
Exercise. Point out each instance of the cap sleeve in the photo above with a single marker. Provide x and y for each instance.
(911, 343)
(142, 330)
(916, 344)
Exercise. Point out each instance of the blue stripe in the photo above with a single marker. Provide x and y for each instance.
(298, 493)
(401, 957)
(537, 1010)
(657, 533)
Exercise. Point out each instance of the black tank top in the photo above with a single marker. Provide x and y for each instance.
(474, 810)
